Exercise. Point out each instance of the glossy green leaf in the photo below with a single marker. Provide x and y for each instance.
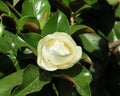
(57, 23)
(82, 81)
(95, 45)
(9, 82)
(79, 76)
(37, 8)
(24, 20)
(75, 28)
(4, 7)
(1, 29)
(31, 81)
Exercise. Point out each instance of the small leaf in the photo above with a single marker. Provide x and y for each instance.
(31, 81)
(57, 23)
(9, 82)
(37, 8)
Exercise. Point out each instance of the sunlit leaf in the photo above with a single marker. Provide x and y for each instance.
(37, 8)
(57, 23)
(1, 29)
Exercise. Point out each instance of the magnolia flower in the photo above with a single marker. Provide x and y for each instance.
(58, 51)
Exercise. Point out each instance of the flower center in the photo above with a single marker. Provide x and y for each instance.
(59, 48)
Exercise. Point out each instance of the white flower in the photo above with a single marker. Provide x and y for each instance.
(58, 51)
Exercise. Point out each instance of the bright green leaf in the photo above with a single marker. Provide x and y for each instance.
(117, 12)
(31, 81)
(57, 23)
(1, 29)
(9, 82)
(37, 8)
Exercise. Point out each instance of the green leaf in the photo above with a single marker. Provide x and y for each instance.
(91, 2)
(37, 8)
(66, 2)
(79, 76)
(24, 20)
(117, 12)
(57, 23)
(31, 81)
(5, 44)
(75, 28)
(115, 33)
(95, 45)
(9, 82)
(112, 1)
(32, 39)
(1, 29)
(4, 7)
(82, 81)
(15, 2)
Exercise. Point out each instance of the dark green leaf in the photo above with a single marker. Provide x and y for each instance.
(4, 7)
(37, 8)
(31, 38)
(31, 81)
(57, 23)
(9, 82)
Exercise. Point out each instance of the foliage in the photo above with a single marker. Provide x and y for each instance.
(93, 24)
